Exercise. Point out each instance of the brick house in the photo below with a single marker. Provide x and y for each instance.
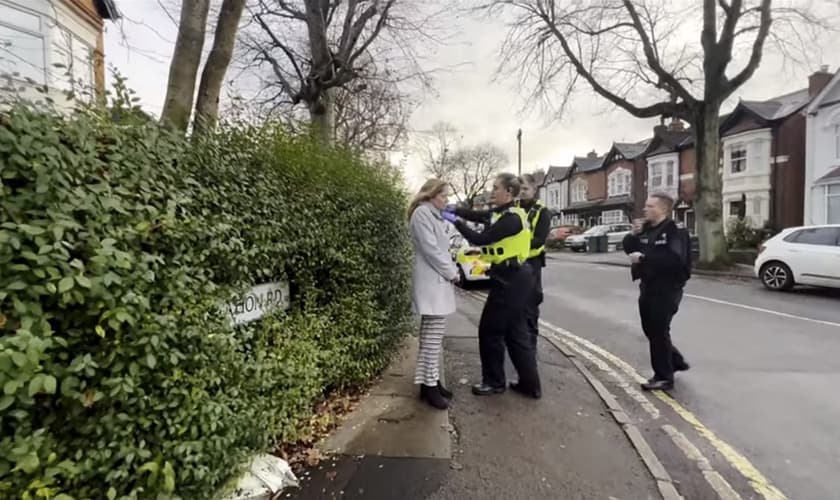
(625, 167)
(554, 192)
(57, 43)
(587, 190)
(670, 162)
(763, 150)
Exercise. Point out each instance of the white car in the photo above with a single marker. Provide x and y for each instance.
(615, 234)
(801, 256)
(467, 258)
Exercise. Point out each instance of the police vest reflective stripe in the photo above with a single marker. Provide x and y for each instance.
(533, 219)
(516, 246)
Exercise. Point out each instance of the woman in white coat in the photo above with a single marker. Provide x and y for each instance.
(433, 295)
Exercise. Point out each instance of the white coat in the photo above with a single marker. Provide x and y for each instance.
(432, 292)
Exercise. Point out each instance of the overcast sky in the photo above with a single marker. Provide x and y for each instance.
(141, 44)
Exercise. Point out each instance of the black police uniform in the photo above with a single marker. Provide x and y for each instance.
(663, 272)
(539, 233)
(503, 320)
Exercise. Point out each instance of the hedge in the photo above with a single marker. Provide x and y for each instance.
(119, 244)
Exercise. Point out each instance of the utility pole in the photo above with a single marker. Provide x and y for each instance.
(519, 141)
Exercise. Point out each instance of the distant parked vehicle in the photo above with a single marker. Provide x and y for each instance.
(808, 255)
(563, 232)
(615, 234)
(468, 260)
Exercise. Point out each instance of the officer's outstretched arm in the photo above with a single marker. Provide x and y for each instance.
(480, 216)
(508, 225)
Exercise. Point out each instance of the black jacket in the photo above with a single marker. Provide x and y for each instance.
(666, 264)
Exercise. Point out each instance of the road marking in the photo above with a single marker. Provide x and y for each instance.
(760, 309)
(715, 480)
(757, 480)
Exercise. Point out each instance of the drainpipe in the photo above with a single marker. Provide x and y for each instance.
(774, 135)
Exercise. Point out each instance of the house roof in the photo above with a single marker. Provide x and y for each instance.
(557, 174)
(770, 110)
(539, 177)
(833, 176)
(631, 150)
(107, 9)
(668, 141)
(588, 163)
(817, 101)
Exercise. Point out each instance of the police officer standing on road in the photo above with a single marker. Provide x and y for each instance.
(660, 254)
(506, 244)
(539, 220)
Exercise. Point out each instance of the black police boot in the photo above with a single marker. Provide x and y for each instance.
(444, 391)
(525, 391)
(431, 395)
(682, 367)
(486, 390)
(658, 385)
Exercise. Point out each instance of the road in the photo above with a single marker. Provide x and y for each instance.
(764, 385)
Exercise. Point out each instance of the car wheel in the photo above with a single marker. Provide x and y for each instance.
(776, 276)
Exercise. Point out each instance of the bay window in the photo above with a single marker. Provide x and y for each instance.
(579, 190)
(738, 159)
(619, 182)
(832, 204)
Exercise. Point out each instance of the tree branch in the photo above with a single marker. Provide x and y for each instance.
(757, 51)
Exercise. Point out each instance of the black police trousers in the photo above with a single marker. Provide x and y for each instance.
(503, 324)
(657, 308)
(532, 309)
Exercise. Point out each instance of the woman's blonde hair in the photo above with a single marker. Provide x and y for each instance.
(430, 189)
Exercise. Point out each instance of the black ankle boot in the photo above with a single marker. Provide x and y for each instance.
(431, 394)
(444, 391)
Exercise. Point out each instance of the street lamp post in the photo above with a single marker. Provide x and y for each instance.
(519, 143)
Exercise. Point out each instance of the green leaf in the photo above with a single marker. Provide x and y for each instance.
(49, 384)
(29, 463)
(168, 478)
(16, 285)
(32, 230)
(151, 362)
(151, 467)
(6, 401)
(65, 285)
(11, 387)
(19, 359)
(83, 281)
(112, 493)
(36, 384)
(100, 331)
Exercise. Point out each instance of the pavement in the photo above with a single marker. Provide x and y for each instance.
(755, 417)
(567, 445)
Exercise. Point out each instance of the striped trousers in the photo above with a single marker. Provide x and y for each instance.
(432, 329)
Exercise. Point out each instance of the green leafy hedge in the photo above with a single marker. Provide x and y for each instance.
(119, 242)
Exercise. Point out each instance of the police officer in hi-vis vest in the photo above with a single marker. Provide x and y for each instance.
(539, 221)
(506, 245)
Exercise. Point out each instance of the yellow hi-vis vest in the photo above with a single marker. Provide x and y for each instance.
(533, 219)
(516, 246)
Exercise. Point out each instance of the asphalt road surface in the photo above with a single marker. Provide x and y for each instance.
(759, 412)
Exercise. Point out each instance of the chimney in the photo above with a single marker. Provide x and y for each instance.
(818, 81)
(676, 125)
(592, 155)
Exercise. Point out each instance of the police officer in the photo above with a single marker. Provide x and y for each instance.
(539, 221)
(506, 245)
(661, 260)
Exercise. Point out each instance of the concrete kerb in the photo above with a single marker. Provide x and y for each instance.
(643, 449)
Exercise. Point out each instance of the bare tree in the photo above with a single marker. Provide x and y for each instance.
(213, 75)
(438, 148)
(315, 47)
(372, 116)
(180, 91)
(474, 168)
(634, 54)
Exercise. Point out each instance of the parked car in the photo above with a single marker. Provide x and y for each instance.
(563, 232)
(468, 260)
(808, 255)
(615, 234)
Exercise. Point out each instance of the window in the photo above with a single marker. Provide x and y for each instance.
(21, 44)
(837, 141)
(670, 174)
(736, 209)
(738, 159)
(823, 236)
(832, 204)
(655, 176)
(579, 189)
(619, 182)
(756, 206)
(612, 217)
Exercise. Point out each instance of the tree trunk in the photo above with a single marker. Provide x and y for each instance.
(212, 78)
(322, 116)
(183, 69)
(708, 181)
